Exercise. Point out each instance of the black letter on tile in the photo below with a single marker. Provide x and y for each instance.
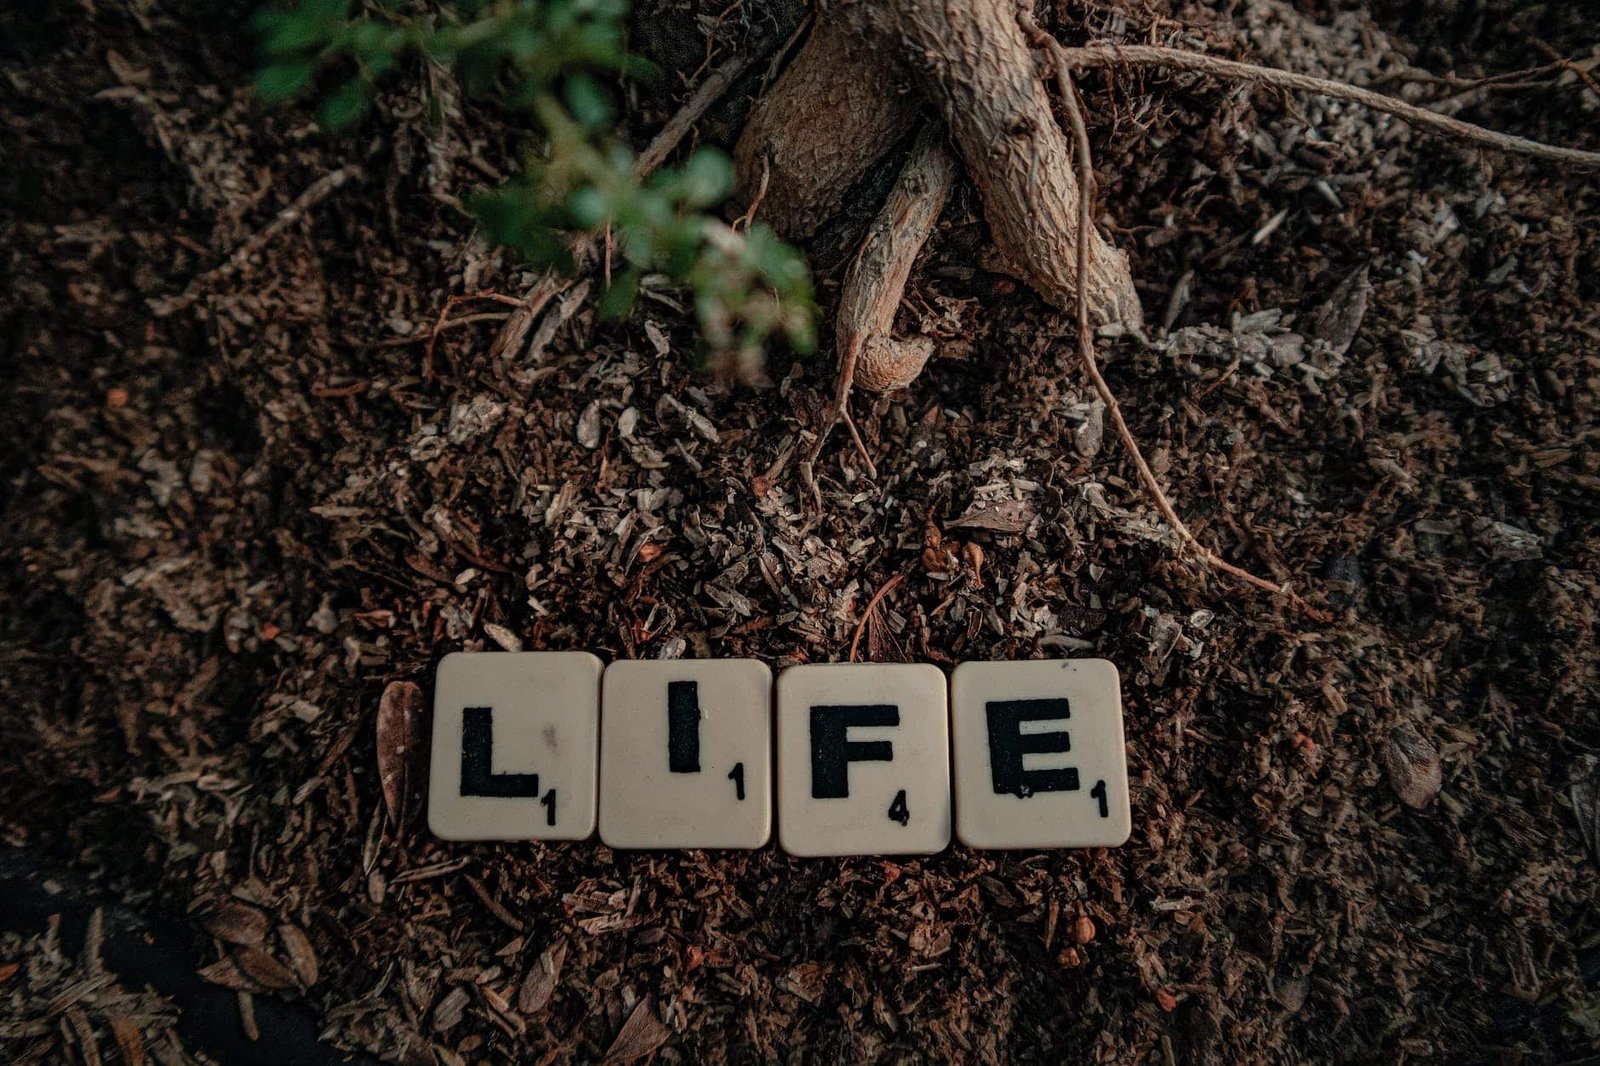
(683, 727)
(1008, 744)
(477, 761)
(832, 753)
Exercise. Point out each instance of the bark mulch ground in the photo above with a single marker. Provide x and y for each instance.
(236, 501)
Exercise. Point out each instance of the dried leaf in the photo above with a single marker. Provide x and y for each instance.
(262, 968)
(130, 1042)
(639, 1036)
(1413, 765)
(589, 426)
(806, 980)
(234, 921)
(1337, 322)
(302, 959)
(227, 974)
(1006, 516)
(402, 749)
(542, 980)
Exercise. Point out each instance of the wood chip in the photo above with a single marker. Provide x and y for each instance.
(543, 979)
(1006, 516)
(639, 1036)
(262, 968)
(302, 958)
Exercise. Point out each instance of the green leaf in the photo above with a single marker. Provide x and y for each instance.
(345, 105)
(588, 102)
(280, 81)
(303, 29)
(707, 178)
(618, 298)
(588, 207)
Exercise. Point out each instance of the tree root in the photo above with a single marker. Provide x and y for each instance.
(1085, 346)
(970, 58)
(837, 109)
(870, 354)
(1106, 55)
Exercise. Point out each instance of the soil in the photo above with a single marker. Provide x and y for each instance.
(239, 501)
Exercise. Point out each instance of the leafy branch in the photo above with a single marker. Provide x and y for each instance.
(549, 59)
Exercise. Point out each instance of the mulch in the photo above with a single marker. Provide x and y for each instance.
(236, 504)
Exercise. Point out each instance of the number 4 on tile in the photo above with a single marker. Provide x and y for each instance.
(898, 811)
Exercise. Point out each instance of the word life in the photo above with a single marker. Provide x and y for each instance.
(846, 759)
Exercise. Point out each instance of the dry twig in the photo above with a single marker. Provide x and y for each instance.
(872, 605)
(1147, 477)
(1109, 55)
(313, 195)
(706, 93)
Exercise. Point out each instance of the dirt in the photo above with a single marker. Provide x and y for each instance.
(237, 503)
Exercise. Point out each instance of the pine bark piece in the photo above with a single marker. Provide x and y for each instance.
(970, 58)
(837, 108)
(877, 277)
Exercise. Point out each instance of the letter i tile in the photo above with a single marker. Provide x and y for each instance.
(863, 760)
(515, 744)
(686, 754)
(1039, 757)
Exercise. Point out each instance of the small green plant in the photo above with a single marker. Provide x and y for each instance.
(550, 59)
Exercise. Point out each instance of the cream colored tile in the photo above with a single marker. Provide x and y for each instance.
(686, 754)
(1039, 757)
(863, 760)
(515, 739)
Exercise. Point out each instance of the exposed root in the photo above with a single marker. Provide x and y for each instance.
(877, 278)
(745, 220)
(1107, 55)
(869, 353)
(970, 58)
(1085, 346)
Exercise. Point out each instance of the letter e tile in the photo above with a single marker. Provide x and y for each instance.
(1039, 757)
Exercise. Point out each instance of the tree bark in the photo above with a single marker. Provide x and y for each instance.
(836, 109)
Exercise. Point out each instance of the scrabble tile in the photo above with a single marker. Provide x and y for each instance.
(515, 740)
(863, 760)
(1039, 758)
(686, 754)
